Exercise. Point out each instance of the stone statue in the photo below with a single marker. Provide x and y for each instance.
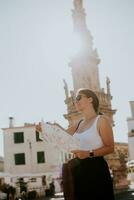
(78, 4)
(65, 88)
(108, 85)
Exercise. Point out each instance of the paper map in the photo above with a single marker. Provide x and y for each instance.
(59, 138)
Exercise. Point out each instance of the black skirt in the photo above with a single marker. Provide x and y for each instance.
(92, 179)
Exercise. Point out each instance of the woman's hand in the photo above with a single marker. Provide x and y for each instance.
(80, 154)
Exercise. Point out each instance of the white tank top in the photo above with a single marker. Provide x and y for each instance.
(90, 138)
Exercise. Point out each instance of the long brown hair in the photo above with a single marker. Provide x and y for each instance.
(89, 93)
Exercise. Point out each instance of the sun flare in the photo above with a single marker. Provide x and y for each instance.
(75, 44)
(61, 43)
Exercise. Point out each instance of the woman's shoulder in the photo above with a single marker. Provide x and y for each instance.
(104, 119)
(72, 129)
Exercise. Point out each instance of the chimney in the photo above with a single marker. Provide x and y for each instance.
(11, 122)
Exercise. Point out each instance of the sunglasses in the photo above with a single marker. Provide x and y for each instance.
(79, 96)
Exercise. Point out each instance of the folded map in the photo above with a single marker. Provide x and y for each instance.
(59, 138)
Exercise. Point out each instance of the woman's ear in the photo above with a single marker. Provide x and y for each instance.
(90, 99)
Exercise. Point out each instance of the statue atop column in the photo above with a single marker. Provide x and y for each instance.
(78, 4)
(108, 85)
(66, 88)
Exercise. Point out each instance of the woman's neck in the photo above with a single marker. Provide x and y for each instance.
(89, 115)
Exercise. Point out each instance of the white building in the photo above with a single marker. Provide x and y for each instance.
(130, 124)
(28, 159)
(1, 164)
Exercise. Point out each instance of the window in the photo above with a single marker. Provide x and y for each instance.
(40, 157)
(44, 180)
(20, 180)
(32, 179)
(19, 158)
(37, 136)
(18, 137)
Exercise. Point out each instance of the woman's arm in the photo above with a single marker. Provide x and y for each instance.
(71, 130)
(106, 133)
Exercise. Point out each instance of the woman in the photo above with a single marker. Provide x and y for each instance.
(92, 180)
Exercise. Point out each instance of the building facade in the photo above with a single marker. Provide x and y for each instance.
(1, 164)
(29, 161)
(130, 124)
(117, 162)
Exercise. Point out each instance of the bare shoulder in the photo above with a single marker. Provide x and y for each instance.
(72, 129)
(104, 127)
(104, 123)
(104, 119)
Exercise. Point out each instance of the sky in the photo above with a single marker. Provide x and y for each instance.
(35, 49)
